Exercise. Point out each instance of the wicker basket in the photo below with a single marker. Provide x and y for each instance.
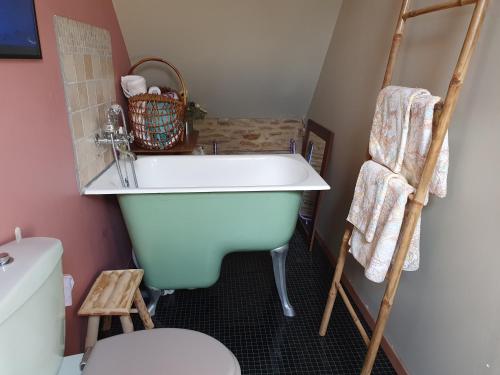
(157, 121)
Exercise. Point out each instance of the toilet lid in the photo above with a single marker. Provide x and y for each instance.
(161, 351)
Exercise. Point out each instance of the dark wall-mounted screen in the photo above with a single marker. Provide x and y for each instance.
(18, 30)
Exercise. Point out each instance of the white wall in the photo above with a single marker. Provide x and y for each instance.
(254, 58)
(446, 317)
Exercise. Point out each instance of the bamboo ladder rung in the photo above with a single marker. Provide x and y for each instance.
(412, 199)
(352, 312)
(332, 293)
(437, 7)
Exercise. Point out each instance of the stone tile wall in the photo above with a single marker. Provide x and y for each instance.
(235, 136)
(87, 72)
(249, 135)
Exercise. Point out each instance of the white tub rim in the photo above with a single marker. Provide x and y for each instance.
(103, 183)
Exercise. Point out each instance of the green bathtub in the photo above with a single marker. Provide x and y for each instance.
(188, 212)
(180, 239)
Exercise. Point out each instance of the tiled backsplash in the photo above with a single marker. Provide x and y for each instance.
(87, 70)
(249, 135)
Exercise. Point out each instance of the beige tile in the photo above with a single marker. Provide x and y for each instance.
(109, 68)
(99, 88)
(72, 96)
(105, 95)
(87, 151)
(95, 115)
(80, 67)
(101, 113)
(82, 95)
(89, 120)
(77, 125)
(104, 66)
(84, 176)
(81, 153)
(113, 93)
(96, 67)
(91, 156)
(105, 90)
(100, 164)
(87, 62)
(68, 68)
(110, 90)
(91, 92)
(108, 156)
(92, 172)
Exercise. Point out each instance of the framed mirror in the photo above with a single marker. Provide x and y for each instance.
(316, 149)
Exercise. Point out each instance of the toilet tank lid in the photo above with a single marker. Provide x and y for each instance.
(34, 259)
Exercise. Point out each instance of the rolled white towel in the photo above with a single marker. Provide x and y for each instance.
(133, 85)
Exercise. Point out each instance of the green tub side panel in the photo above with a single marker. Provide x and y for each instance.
(181, 239)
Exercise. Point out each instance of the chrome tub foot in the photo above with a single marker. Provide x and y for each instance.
(154, 296)
(279, 260)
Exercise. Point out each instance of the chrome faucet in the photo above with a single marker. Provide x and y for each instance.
(128, 154)
(120, 140)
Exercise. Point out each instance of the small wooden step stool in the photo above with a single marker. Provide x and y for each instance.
(112, 294)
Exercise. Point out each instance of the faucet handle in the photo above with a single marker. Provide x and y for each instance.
(124, 135)
(109, 127)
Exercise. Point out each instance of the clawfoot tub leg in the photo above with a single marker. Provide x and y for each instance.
(154, 296)
(153, 293)
(279, 260)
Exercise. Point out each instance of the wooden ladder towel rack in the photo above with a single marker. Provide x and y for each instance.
(442, 116)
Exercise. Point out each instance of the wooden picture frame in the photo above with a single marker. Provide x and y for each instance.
(327, 136)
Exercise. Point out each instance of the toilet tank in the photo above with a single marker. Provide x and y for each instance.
(31, 307)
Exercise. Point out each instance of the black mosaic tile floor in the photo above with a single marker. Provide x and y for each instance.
(242, 310)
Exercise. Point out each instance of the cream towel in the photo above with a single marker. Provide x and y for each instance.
(377, 212)
(400, 139)
(402, 133)
(390, 126)
(369, 195)
(418, 143)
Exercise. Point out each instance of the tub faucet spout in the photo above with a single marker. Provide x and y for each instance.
(129, 154)
(119, 139)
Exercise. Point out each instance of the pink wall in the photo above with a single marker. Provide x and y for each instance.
(38, 189)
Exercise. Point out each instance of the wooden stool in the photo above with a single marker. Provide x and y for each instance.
(112, 294)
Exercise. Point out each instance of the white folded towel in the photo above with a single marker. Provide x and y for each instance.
(402, 133)
(418, 143)
(133, 85)
(369, 195)
(390, 125)
(377, 212)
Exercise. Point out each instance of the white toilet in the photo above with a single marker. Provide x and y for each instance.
(32, 327)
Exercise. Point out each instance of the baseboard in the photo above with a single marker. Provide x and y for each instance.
(386, 346)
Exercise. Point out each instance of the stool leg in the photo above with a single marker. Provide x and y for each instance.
(127, 325)
(143, 310)
(92, 331)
